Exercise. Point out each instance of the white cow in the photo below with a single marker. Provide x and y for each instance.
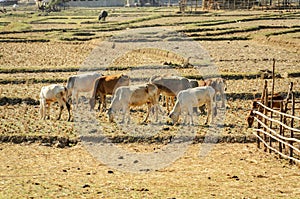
(135, 95)
(194, 97)
(81, 83)
(53, 93)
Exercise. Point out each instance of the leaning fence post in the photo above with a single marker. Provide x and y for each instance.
(292, 126)
(281, 128)
(261, 111)
(258, 133)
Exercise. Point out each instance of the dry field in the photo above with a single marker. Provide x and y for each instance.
(46, 158)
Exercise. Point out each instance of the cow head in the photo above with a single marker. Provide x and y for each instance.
(110, 115)
(174, 116)
(250, 119)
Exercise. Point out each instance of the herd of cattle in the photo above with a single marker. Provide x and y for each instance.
(188, 93)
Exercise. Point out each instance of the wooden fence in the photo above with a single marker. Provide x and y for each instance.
(194, 5)
(279, 129)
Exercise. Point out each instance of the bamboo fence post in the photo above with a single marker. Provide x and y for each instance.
(265, 113)
(260, 110)
(271, 103)
(273, 83)
(258, 133)
(292, 126)
(286, 108)
(281, 128)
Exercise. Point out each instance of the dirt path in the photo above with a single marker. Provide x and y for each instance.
(229, 171)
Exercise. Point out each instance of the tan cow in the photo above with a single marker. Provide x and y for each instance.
(106, 85)
(50, 94)
(81, 83)
(170, 86)
(135, 95)
(219, 85)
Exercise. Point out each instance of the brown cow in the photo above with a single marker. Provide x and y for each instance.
(106, 85)
(277, 98)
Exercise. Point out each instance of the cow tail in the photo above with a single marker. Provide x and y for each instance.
(120, 95)
(95, 88)
(70, 82)
(65, 94)
(152, 90)
(93, 97)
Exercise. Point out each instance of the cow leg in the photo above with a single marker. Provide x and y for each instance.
(60, 111)
(184, 118)
(223, 99)
(69, 112)
(127, 110)
(48, 110)
(167, 104)
(77, 99)
(148, 112)
(42, 108)
(99, 106)
(124, 111)
(156, 112)
(208, 112)
(74, 99)
(103, 99)
(173, 101)
(61, 105)
(195, 110)
(190, 111)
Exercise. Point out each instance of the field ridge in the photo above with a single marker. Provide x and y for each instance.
(62, 142)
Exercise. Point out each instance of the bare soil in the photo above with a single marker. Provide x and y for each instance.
(228, 171)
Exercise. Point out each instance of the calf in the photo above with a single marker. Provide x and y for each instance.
(277, 99)
(193, 97)
(136, 95)
(106, 85)
(81, 83)
(53, 93)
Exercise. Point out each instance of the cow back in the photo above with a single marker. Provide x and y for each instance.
(108, 84)
(171, 85)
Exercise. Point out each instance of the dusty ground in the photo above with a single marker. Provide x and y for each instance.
(229, 171)
(33, 170)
